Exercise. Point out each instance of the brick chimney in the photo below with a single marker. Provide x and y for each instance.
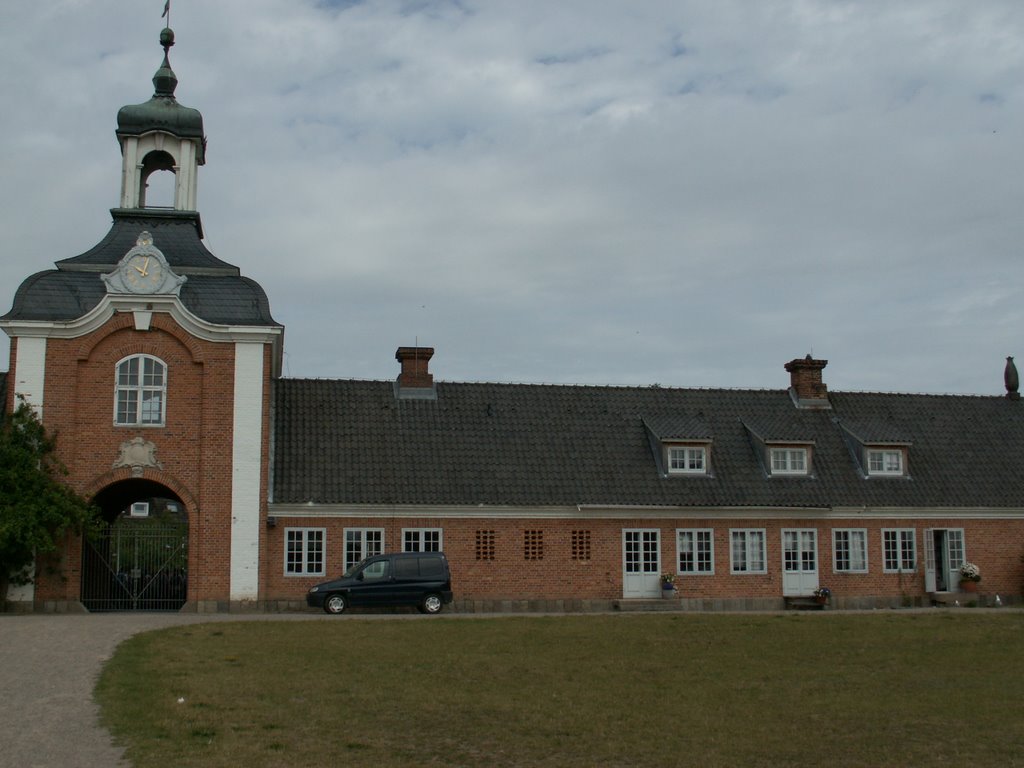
(415, 367)
(805, 384)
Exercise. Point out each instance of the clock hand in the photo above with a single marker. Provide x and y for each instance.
(145, 267)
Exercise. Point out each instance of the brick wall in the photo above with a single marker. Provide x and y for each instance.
(194, 446)
(510, 576)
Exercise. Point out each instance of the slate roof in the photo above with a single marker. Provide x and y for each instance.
(354, 442)
(215, 290)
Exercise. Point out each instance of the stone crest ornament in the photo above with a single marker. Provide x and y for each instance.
(138, 454)
(144, 270)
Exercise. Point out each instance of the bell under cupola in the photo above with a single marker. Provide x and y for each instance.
(161, 135)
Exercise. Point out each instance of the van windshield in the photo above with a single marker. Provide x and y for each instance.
(351, 571)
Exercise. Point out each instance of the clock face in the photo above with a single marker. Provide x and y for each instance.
(143, 273)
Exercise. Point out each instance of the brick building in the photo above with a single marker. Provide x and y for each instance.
(227, 486)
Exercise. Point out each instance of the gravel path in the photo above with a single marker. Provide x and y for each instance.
(48, 668)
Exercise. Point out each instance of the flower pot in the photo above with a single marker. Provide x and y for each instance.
(668, 592)
(968, 586)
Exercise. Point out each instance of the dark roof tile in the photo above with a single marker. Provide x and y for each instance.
(353, 442)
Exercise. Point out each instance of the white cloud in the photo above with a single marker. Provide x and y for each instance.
(686, 193)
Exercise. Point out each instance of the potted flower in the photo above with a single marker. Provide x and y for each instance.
(668, 585)
(822, 594)
(970, 575)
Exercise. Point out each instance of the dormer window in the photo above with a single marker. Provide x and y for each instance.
(681, 444)
(884, 462)
(879, 448)
(687, 460)
(788, 461)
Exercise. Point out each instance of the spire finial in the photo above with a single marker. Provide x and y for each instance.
(165, 81)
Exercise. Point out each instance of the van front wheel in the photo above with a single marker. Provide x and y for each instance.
(335, 604)
(431, 604)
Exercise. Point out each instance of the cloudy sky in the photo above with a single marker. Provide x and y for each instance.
(681, 192)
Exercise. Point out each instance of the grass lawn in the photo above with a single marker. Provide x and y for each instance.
(906, 688)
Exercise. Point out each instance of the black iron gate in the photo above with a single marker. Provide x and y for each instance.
(136, 565)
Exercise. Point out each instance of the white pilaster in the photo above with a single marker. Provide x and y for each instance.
(245, 471)
(29, 374)
(131, 171)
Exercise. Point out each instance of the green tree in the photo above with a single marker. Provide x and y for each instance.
(37, 508)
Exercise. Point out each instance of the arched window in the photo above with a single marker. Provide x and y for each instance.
(158, 180)
(139, 397)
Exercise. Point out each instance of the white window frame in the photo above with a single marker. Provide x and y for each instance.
(753, 547)
(856, 538)
(900, 538)
(692, 459)
(361, 543)
(885, 466)
(308, 539)
(140, 392)
(699, 541)
(787, 464)
(418, 536)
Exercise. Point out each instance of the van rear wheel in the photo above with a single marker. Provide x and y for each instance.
(335, 604)
(431, 604)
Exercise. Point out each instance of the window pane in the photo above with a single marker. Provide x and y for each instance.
(151, 407)
(128, 372)
(756, 550)
(127, 406)
(374, 543)
(353, 548)
(314, 551)
(152, 373)
(704, 563)
(858, 551)
(739, 551)
(686, 563)
(293, 560)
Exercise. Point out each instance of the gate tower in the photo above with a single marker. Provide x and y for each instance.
(152, 360)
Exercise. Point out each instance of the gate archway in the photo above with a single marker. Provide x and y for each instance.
(138, 561)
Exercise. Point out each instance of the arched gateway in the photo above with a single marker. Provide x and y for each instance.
(138, 560)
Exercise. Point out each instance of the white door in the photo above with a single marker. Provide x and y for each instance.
(943, 556)
(641, 562)
(799, 562)
(954, 555)
(931, 580)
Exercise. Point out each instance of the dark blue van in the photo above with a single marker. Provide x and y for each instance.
(419, 579)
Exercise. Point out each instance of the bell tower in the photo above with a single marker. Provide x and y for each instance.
(153, 360)
(161, 135)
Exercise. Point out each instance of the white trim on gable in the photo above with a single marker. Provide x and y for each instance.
(112, 304)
